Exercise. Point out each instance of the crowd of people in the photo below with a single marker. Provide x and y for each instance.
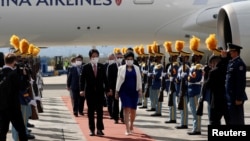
(134, 78)
(131, 78)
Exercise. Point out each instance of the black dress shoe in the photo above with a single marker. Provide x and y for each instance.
(143, 107)
(122, 120)
(81, 113)
(152, 109)
(156, 114)
(91, 133)
(194, 133)
(75, 114)
(99, 133)
(116, 121)
(139, 103)
(29, 136)
(30, 125)
(181, 127)
(170, 121)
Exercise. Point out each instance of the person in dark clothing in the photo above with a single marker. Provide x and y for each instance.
(236, 85)
(108, 99)
(10, 110)
(93, 85)
(112, 77)
(216, 85)
(73, 86)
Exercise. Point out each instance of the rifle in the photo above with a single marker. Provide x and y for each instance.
(199, 110)
(172, 86)
(183, 88)
(163, 82)
(148, 79)
(31, 91)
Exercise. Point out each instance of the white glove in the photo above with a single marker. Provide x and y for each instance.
(171, 78)
(183, 74)
(31, 81)
(33, 102)
(149, 74)
(200, 99)
(38, 98)
(163, 74)
(145, 72)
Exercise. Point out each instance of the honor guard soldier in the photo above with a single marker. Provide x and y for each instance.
(211, 43)
(182, 77)
(235, 85)
(156, 82)
(194, 84)
(144, 69)
(151, 64)
(170, 79)
(139, 59)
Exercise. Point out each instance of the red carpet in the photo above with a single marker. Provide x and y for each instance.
(113, 132)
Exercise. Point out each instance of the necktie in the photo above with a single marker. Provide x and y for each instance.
(95, 69)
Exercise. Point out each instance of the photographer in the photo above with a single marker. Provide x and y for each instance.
(10, 110)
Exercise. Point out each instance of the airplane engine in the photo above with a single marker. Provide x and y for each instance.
(233, 25)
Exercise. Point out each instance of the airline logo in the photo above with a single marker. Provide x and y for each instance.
(7, 3)
(118, 2)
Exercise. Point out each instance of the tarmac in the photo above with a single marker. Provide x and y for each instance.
(57, 123)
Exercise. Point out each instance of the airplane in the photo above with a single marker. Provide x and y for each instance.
(48, 23)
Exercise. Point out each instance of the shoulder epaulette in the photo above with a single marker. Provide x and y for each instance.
(175, 64)
(198, 66)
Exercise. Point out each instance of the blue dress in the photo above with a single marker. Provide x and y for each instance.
(128, 93)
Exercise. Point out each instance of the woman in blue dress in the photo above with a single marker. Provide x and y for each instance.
(128, 88)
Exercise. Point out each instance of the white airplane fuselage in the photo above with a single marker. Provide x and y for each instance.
(96, 22)
(47, 23)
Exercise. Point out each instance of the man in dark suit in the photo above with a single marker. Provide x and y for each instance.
(112, 76)
(108, 100)
(73, 85)
(93, 84)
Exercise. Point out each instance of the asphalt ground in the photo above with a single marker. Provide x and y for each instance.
(57, 123)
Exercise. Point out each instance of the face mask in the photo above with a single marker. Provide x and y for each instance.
(111, 61)
(78, 63)
(94, 60)
(129, 62)
(119, 60)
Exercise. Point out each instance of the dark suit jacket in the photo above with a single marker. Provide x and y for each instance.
(73, 78)
(94, 87)
(112, 75)
(216, 84)
(9, 95)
